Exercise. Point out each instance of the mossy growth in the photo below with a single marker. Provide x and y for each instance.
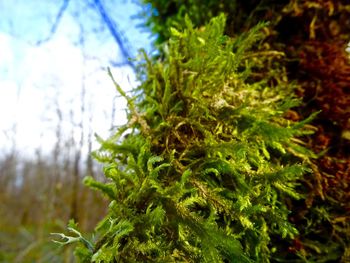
(313, 35)
(204, 167)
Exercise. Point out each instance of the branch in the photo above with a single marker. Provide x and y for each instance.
(136, 116)
(56, 23)
(113, 29)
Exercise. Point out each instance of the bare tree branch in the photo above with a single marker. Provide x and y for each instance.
(113, 29)
(56, 23)
(107, 20)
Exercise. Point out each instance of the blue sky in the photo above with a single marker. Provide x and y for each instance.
(37, 81)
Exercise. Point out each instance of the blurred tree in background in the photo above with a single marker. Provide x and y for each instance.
(39, 193)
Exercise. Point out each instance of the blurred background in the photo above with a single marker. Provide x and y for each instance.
(55, 94)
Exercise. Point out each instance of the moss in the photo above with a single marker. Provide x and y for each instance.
(207, 162)
(313, 36)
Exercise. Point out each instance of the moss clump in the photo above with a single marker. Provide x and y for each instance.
(204, 167)
(313, 35)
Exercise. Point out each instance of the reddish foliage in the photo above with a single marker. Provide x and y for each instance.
(315, 34)
(327, 68)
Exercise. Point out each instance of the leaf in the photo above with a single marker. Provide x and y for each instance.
(156, 215)
(174, 32)
(184, 178)
(107, 189)
(78, 238)
(151, 161)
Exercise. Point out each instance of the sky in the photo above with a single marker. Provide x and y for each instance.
(46, 78)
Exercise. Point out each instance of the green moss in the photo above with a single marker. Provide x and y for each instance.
(202, 169)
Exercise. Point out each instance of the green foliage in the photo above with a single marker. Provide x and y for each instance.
(163, 15)
(206, 163)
